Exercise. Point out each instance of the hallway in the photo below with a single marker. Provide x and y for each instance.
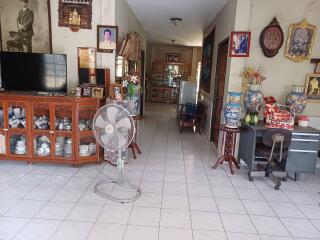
(182, 197)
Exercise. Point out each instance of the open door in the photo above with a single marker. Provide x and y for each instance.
(219, 89)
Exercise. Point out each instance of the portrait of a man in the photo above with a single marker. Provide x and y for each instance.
(25, 26)
(107, 38)
(312, 89)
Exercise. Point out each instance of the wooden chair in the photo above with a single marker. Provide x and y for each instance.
(192, 118)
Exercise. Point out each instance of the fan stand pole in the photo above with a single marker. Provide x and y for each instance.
(122, 181)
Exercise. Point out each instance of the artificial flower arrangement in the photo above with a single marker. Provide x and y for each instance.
(131, 82)
(253, 75)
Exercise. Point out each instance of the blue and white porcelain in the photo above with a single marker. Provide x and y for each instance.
(253, 98)
(232, 111)
(297, 99)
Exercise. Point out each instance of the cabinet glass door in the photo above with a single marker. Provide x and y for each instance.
(17, 112)
(63, 117)
(3, 143)
(1, 115)
(41, 116)
(18, 144)
(86, 114)
(87, 146)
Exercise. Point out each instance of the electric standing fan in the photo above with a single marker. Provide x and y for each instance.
(114, 130)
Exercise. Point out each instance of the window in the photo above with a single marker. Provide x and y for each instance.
(119, 67)
(56, 71)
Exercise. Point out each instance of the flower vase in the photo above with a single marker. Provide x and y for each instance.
(232, 111)
(132, 99)
(253, 98)
(297, 99)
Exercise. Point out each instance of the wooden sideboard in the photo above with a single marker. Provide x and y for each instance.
(59, 123)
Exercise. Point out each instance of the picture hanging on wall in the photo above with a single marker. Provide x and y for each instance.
(107, 38)
(300, 41)
(240, 44)
(25, 26)
(271, 38)
(173, 57)
(317, 69)
(75, 14)
(312, 87)
(206, 66)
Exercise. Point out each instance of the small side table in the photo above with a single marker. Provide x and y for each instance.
(229, 147)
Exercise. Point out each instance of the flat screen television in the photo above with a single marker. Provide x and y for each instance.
(33, 72)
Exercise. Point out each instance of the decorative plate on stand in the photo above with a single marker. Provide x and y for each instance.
(271, 38)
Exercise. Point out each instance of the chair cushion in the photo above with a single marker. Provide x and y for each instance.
(264, 151)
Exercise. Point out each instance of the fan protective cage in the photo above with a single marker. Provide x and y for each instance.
(113, 124)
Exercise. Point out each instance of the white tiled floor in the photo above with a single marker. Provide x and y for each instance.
(182, 197)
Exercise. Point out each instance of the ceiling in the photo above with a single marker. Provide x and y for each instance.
(155, 15)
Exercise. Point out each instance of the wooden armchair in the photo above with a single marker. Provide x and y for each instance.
(192, 117)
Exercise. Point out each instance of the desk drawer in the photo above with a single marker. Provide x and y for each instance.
(313, 136)
(304, 144)
(301, 161)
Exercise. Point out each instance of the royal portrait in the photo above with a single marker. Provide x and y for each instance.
(312, 87)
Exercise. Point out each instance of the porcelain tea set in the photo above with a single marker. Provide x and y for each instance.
(42, 146)
(63, 124)
(42, 123)
(17, 117)
(85, 125)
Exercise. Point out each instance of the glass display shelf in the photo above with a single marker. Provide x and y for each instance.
(17, 113)
(63, 117)
(3, 148)
(63, 147)
(18, 144)
(42, 146)
(87, 146)
(41, 116)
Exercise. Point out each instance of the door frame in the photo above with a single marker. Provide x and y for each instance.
(216, 87)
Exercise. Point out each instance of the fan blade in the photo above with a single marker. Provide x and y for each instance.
(100, 122)
(111, 113)
(124, 122)
(121, 139)
(106, 138)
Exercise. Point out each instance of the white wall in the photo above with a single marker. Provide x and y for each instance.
(281, 73)
(66, 41)
(127, 22)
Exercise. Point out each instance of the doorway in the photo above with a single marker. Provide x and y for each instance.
(219, 84)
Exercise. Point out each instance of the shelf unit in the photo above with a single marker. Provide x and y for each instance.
(166, 77)
(60, 136)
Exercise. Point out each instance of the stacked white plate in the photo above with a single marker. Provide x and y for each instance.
(68, 148)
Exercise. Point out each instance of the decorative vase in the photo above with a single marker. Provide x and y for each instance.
(253, 98)
(297, 99)
(232, 111)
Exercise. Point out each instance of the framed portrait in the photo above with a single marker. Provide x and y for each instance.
(300, 41)
(75, 11)
(312, 87)
(317, 69)
(97, 92)
(25, 26)
(107, 38)
(173, 57)
(86, 90)
(206, 66)
(115, 89)
(239, 44)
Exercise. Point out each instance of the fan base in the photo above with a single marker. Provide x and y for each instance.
(98, 189)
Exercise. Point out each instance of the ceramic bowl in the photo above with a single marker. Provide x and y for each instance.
(20, 149)
(21, 143)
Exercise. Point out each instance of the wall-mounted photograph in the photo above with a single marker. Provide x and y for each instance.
(107, 38)
(173, 57)
(240, 44)
(312, 87)
(25, 26)
(300, 41)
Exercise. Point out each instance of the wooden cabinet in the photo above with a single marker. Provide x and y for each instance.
(48, 129)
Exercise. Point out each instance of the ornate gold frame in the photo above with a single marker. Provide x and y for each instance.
(304, 25)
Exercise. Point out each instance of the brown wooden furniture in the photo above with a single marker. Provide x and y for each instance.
(192, 120)
(133, 145)
(58, 109)
(229, 140)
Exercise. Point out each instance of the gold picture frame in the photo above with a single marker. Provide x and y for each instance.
(97, 92)
(300, 41)
(312, 86)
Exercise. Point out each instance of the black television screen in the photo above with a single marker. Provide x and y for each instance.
(33, 72)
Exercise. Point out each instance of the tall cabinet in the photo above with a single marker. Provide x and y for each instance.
(48, 129)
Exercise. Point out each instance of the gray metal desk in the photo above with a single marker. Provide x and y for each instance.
(303, 151)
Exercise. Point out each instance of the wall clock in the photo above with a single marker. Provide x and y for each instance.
(271, 38)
